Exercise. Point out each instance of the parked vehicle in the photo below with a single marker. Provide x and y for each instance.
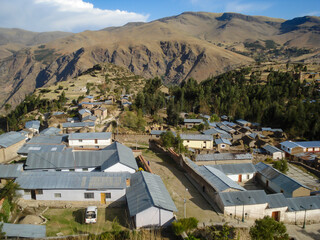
(91, 214)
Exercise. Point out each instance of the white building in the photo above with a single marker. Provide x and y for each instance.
(71, 186)
(90, 140)
(242, 172)
(276, 153)
(149, 202)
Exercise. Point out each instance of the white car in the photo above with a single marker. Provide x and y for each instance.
(91, 214)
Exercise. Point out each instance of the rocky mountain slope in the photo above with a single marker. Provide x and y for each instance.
(197, 45)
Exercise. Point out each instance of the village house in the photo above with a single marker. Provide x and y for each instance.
(243, 123)
(89, 119)
(277, 132)
(114, 158)
(101, 112)
(9, 172)
(274, 152)
(190, 123)
(241, 172)
(278, 182)
(33, 126)
(9, 144)
(51, 131)
(197, 141)
(223, 158)
(78, 127)
(84, 113)
(149, 203)
(217, 133)
(103, 187)
(87, 99)
(96, 140)
(222, 144)
(293, 148)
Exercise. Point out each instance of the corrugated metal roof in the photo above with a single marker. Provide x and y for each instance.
(242, 122)
(302, 203)
(310, 144)
(276, 200)
(10, 170)
(28, 148)
(44, 139)
(251, 197)
(72, 180)
(223, 156)
(83, 111)
(241, 168)
(78, 124)
(213, 131)
(24, 230)
(105, 158)
(35, 124)
(271, 149)
(91, 136)
(51, 131)
(10, 138)
(283, 181)
(199, 137)
(222, 141)
(193, 120)
(271, 129)
(289, 144)
(147, 190)
(226, 128)
(91, 118)
(218, 179)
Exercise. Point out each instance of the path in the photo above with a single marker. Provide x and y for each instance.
(303, 177)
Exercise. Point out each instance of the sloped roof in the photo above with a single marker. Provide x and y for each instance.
(91, 118)
(90, 136)
(289, 144)
(193, 120)
(241, 168)
(271, 149)
(10, 170)
(283, 181)
(147, 190)
(78, 124)
(28, 148)
(309, 144)
(223, 156)
(222, 141)
(277, 200)
(51, 131)
(199, 137)
(251, 197)
(10, 138)
(302, 203)
(47, 139)
(83, 111)
(24, 230)
(242, 122)
(35, 124)
(213, 131)
(72, 180)
(105, 158)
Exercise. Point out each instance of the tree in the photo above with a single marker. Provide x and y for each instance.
(268, 229)
(281, 165)
(167, 139)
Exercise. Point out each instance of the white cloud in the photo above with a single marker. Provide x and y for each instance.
(62, 15)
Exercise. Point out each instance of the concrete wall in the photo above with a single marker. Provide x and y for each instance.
(119, 167)
(153, 217)
(9, 153)
(245, 177)
(89, 142)
(198, 144)
(312, 216)
(283, 212)
(301, 192)
(76, 195)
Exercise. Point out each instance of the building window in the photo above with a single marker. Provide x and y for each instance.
(223, 146)
(57, 195)
(187, 141)
(108, 195)
(88, 195)
(71, 170)
(39, 191)
(204, 142)
(248, 176)
(58, 170)
(85, 169)
(96, 141)
(80, 140)
(27, 192)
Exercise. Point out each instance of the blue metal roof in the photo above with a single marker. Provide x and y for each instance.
(28, 148)
(78, 124)
(35, 124)
(50, 131)
(193, 120)
(310, 144)
(251, 197)
(289, 144)
(83, 111)
(234, 169)
(283, 181)
(147, 190)
(199, 137)
(271, 149)
(222, 141)
(223, 156)
(213, 131)
(242, 122)
(93, 135)
(24, 230)
(303, 203)
(277, 200)
(10, 138)
(91, 118)
(47, 139)
(10, 170)
(72, 180)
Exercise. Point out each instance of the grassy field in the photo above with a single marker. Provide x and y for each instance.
(71, 221)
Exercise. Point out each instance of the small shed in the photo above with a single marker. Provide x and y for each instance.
(273, 151)
(149, 202)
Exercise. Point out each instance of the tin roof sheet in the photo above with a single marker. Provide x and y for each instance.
(10, 138)
(251, 197)
(232, 169)
(24, 230)
(10, 170)
(199, 137)
(90, 136)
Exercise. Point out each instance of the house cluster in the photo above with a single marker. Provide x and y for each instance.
(229, 185)
(87, 167)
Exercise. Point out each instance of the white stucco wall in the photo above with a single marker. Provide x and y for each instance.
(298, 216)
(91, 142)
(250, 211)
(269, 211)
(153, 217)
(76, 195)
(278, 155)
(119, 167)
(244, 177)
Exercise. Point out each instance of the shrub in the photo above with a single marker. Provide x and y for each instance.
(184, 225)
(268, 229)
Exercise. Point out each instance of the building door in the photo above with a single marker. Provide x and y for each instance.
(267, 183)
(276, 216)
(240, 178)
(103, 198)
(33, 195)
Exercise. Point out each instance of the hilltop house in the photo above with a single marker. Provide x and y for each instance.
(96, 140)
(149, 202)
(9, 144)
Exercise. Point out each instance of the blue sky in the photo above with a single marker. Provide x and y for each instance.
(80, 15)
